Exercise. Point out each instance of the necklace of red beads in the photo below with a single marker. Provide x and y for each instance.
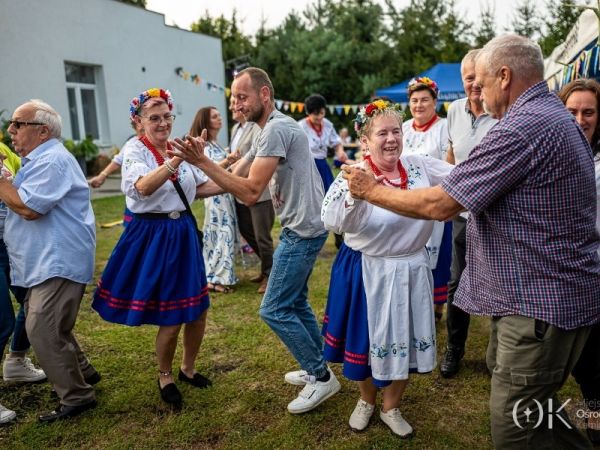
(426, 126)
(160, 160)
(403, 184)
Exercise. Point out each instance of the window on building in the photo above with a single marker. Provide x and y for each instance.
(82, 98)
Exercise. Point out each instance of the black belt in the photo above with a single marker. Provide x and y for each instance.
(157, 216)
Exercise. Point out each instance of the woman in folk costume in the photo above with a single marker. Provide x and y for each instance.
(427, 134)
(155, 274)
(220, 221)
(379, 317)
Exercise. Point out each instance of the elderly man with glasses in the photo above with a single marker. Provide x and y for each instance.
(50, 237)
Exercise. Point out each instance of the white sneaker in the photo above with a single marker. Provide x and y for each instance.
(396, 422)
(6, 415)
(21, 369)
(361, 415)
(297, 377)
(314, 393)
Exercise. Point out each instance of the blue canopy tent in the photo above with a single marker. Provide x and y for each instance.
(446, 75)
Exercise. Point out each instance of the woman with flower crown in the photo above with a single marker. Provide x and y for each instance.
(155, 275)
(427, 134)
(379, 317)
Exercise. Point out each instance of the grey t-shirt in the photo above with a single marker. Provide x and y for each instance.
(296, 187)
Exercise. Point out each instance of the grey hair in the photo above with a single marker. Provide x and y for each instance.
(470, 57)
(520, 54)
(44, 113)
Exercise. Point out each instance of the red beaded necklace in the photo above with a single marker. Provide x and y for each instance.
(423, 128)
(403, 175)
(157, 156)
(318, 129)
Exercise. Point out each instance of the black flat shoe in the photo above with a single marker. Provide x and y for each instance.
(64, 412)
(170, 394)
(197, 380)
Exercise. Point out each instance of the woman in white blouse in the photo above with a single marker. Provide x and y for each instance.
(155, 274)
(379, 317)
(427, 134)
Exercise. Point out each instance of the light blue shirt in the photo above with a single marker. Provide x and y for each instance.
(62, 242)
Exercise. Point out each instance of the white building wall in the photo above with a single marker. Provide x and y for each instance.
(38, 36)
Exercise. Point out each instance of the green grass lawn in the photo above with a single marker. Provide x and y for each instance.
(246, 407)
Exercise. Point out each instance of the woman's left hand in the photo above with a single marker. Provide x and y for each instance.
(191, 149)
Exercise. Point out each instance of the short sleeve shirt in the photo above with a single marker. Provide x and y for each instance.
(296, 187)
(531, 238)
(62, 242)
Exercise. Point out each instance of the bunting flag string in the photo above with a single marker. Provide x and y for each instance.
(346, 109)
(198, 80)
(586, 65)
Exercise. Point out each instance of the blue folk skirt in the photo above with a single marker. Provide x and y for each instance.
(441, 274)
(155, 275)
(345, 325)
(325, 172)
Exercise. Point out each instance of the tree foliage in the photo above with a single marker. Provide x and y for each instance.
(345, 49)
(562, 17)
(527, 21)
(485, 29)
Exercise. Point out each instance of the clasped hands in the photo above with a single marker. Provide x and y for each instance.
(190, 149)
(361, 181)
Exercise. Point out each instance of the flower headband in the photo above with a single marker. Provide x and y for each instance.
(367, 112)
(137, 102)
(423, 81)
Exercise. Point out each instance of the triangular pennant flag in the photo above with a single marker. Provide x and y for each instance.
(354, 109)
(197, 80)
(286, 106)
(346, 109)
(293, 106)
(331, 109)
(403, 105)
(338, 109)
(227, 92)
(300, 107)
(186, 75)
(279, 103)
(208, 85)
(446, 106)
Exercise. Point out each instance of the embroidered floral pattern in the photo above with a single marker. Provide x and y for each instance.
(395, 350)
(424, 344)
(414, 173)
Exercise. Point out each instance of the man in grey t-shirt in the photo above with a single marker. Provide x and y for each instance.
(281, 158)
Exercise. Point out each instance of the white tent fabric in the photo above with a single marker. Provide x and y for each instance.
(584, 32)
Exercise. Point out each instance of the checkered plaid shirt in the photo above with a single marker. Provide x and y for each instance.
(531, 238)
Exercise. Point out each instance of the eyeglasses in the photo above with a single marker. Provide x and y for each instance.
(158, 119)
(18, 124)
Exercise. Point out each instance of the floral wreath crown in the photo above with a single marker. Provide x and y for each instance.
(137, 102)
(367, 112)
(423, 81)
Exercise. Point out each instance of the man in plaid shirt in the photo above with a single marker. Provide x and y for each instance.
(531, 254)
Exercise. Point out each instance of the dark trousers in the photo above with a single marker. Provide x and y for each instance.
(457, 321)
(587, 370)
(9, 325)
(255, 223)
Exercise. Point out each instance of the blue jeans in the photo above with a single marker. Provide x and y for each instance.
(285, 305)
(8, 324)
